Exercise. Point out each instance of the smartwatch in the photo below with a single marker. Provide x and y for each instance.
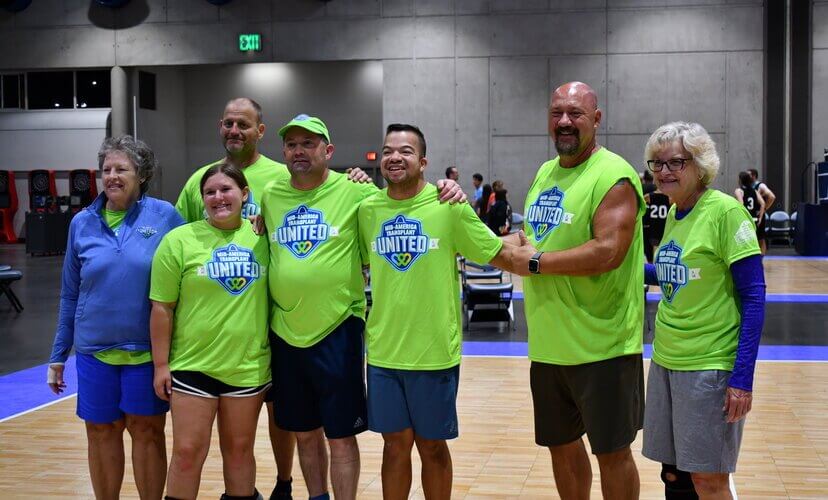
(534, 263)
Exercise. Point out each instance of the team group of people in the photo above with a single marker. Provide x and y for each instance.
(193, 309)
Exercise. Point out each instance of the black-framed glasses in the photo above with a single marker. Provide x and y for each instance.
(673, 164)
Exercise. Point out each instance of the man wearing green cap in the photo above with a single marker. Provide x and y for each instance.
(241, 128)
(318, 307)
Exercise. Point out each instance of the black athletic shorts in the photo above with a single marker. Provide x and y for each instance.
(205, 386)
(604, 399)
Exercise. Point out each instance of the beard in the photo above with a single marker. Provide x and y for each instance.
(567, 148)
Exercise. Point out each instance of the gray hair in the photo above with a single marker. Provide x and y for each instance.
(695, 140)
(138, 152)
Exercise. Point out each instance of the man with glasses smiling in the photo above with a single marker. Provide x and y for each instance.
(584, 301)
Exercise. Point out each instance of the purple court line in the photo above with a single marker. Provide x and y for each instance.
(26, 389)
(802, 298)
(766, 352)
(794, 257)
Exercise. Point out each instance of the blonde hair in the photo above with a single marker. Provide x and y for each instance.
(695, 140)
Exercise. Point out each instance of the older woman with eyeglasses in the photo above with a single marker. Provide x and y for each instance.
(709, 319)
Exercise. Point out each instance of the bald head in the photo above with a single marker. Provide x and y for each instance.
(574, 118)
(241, 102)
(578, 91)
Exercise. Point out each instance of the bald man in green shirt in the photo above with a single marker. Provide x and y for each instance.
(584, 301)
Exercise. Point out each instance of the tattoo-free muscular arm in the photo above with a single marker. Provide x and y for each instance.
(613, 228)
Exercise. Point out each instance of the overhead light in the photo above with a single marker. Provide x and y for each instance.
(94, 82)
(57, 105)
(83, 105)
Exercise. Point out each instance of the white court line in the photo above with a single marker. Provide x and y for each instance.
(44, 405)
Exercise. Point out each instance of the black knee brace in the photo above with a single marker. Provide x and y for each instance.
(681, 488)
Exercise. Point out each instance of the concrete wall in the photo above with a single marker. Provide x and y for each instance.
(819, 109)
(475, 74)
(165, 129)
(347, 96)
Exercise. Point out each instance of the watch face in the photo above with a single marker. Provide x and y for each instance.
(534, 263)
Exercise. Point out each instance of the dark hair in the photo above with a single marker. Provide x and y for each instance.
(497, 185)
(648, 176)
(753, 172)
(404, 127)
(256, 106)
(478, 177)
(227, 169)
(138, 152)
(500, 195)
(483, 201)
(745, 180)
(449, 169)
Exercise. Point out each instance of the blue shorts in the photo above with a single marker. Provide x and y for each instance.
(107, 392)
(422, 400)
(321, 385)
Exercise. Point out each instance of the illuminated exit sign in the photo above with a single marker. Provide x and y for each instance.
(249, 42)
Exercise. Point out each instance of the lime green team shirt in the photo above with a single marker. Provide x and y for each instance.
(315, 268)
(114, 218)
(581, 319)
(190, 203)
(411, 245)
(219, 281)
(120, 357)
(697, 324)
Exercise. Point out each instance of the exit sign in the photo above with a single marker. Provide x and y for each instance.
(249, 42)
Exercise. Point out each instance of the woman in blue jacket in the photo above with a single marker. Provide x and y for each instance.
(104, 314)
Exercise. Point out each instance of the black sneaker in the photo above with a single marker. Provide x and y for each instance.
(282, 490)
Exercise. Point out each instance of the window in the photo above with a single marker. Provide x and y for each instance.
(92, 89)
(50, 90)
(12, 91)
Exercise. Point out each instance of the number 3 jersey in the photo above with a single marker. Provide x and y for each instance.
(219, 280)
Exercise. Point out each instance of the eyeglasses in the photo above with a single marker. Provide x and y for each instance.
(673, 164)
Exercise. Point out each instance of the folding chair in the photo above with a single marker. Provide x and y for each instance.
(7, 277)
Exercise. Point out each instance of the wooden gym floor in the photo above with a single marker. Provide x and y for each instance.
(784, 452)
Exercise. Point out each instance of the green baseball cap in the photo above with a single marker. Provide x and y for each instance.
(309, 123)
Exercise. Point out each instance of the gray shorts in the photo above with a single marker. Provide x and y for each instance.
(684, 424)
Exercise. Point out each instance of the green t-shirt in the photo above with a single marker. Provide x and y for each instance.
(120, 357)
(411, 245)
(315, 268)
(697, 324)
(113, 218)
(190, 204)
(219, 281)
(581, 319)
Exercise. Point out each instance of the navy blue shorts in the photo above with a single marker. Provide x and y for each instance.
(107, 392)
(422, 400)
(322, 385)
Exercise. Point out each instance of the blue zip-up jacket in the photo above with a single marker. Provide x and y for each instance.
(104, 298)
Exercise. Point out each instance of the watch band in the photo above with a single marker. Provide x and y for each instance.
(534, 263)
